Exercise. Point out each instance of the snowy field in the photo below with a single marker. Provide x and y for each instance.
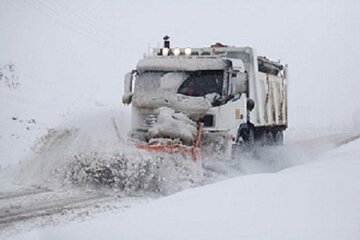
(61, 73)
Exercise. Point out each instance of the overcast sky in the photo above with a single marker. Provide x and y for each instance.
(85, 47)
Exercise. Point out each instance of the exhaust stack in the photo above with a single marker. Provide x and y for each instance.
(166, 41)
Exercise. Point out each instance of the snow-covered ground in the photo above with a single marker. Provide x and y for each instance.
(319, 200)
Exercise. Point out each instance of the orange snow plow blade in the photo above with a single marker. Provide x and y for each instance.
(169, 147)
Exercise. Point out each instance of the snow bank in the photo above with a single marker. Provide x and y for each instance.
(315, 201)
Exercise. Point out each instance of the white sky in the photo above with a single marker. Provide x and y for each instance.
(85, 47)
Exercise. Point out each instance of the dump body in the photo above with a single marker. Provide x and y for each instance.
(236, 95)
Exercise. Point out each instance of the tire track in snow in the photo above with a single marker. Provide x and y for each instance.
(28, 192)
(348, 140)
(11, 215)
(324, 143)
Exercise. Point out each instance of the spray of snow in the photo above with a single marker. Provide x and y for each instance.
(96, 153)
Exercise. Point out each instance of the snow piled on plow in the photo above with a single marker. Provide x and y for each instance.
(173, 125)
(136, 172)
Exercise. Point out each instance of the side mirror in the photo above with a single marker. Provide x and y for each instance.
(238, 83)
(128, 85)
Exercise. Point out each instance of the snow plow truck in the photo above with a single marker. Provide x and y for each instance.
(198, 101)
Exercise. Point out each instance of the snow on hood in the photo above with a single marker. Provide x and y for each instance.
(194, 107)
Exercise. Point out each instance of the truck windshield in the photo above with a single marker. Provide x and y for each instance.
(197, 83)
(152, 82)
(200, 83)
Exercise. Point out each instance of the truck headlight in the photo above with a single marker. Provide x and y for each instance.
(188, 51)
(165, 51)
(176, 51)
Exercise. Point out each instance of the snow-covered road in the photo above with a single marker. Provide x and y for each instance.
(316, 200)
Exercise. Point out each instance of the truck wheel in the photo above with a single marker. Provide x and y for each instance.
(245, 138)
(269, 139)
(246, 133)
(278, 138)
(263, 138)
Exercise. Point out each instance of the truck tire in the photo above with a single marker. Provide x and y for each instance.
(278, 137)
(245, 140)
(269, 138)
(246, 133)
(263, 137)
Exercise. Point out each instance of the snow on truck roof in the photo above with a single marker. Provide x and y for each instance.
(208, 58)
(180, 64)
